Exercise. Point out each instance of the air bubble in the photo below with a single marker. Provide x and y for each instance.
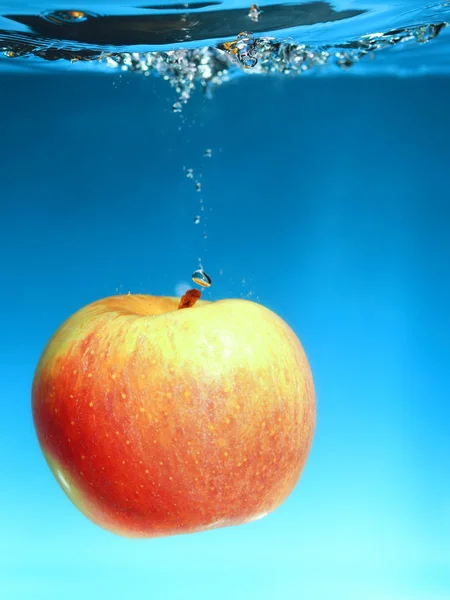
(183, 68)
(177, 107)
(197, 219)
(249, 62)
(190, 173)
(254, 13)
(244, 48)
(201, 278)
(208, 153)
(198, 187)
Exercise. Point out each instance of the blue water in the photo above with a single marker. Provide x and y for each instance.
(401, 38)
(324, 199)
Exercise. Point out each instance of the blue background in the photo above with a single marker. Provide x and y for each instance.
(326, 199)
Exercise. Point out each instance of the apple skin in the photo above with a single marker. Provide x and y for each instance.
(157, 421)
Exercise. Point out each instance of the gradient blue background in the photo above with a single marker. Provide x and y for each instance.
(330, 198)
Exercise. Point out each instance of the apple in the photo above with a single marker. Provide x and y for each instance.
(159, 421)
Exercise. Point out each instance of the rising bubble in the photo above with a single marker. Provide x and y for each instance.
(201, 278)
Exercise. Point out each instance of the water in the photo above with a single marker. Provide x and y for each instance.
(254, 13)
(208, 43)
(201, 278)
(311, 176)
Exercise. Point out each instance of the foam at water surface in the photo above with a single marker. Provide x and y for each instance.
(208, 42)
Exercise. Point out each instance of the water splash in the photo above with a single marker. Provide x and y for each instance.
(244, 49)
(209, 66)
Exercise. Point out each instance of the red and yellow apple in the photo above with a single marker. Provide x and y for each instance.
(158, 421)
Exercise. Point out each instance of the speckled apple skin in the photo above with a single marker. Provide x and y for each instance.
(157, 421)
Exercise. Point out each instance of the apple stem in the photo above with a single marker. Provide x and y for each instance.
(189, 298)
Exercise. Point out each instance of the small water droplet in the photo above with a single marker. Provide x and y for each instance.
(197, 219)
(177, 107)
(201, 278)
(208, 153)
(254, 13)
(198, 187)
(190, 173)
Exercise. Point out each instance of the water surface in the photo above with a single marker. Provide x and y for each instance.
(211, 42)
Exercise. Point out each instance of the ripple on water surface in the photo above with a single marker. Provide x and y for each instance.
(207, 43)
